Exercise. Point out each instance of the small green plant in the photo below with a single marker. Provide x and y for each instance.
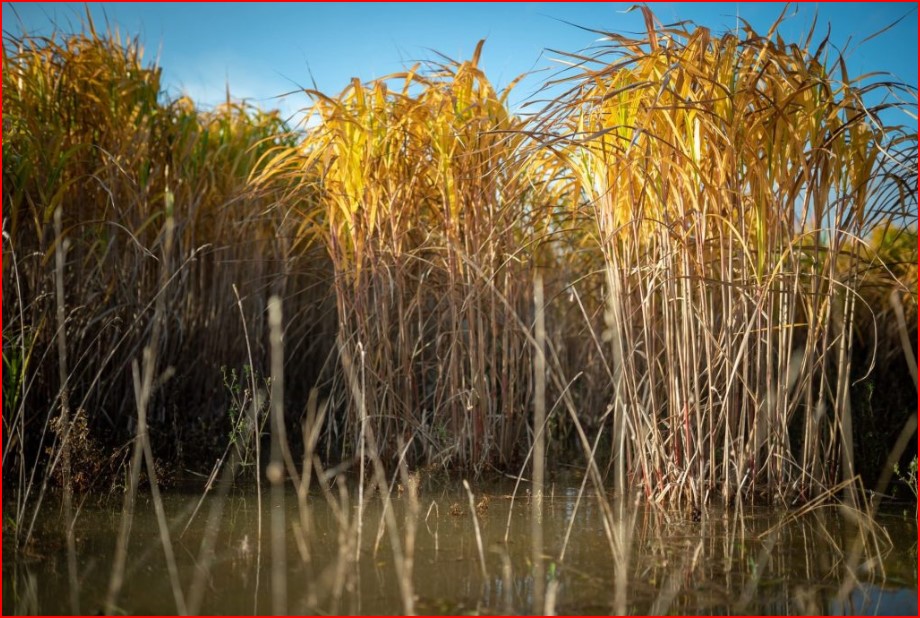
(909, 476)
(10, 524)
(13, 369)
(17, 352)
(247, 410)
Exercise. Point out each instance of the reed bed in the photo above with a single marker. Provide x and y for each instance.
(89, 133)
(717, 223)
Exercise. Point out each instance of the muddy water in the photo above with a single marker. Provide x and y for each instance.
(640, 561)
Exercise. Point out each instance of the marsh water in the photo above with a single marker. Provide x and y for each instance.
(637, 560)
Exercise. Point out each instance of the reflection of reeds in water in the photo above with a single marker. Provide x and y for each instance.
(736, 559)
(730, 561)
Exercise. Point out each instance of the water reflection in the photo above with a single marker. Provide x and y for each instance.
(616, 559)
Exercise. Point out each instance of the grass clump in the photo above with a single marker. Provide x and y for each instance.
(89, 132)
(729, 182)
(424, 207)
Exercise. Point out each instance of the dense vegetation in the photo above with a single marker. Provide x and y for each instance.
(725, 229)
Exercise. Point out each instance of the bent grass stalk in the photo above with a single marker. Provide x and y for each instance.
(479, 549)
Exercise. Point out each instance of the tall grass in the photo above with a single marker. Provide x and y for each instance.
(89, 132)
(730, 182)
(718, 222)
(425, 209)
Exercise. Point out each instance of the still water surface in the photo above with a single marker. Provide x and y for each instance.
(716, 562)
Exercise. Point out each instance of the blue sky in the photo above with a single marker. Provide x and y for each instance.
(264, 50)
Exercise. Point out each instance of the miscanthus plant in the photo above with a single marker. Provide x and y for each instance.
(731, 181)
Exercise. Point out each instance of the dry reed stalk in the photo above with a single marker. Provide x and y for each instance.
(539, 449)
(482, 555)
(313, 423)
(255, 427)
(16, 438)
(144, 387)
(275, 470)
(344, 570)
(64, 418)
(621, 547)
(590, 455)
(116, 580)
(910, 358)
(507, 581)
(519, 478)
(360, 395)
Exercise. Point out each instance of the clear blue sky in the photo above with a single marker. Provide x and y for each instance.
(264, 50)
